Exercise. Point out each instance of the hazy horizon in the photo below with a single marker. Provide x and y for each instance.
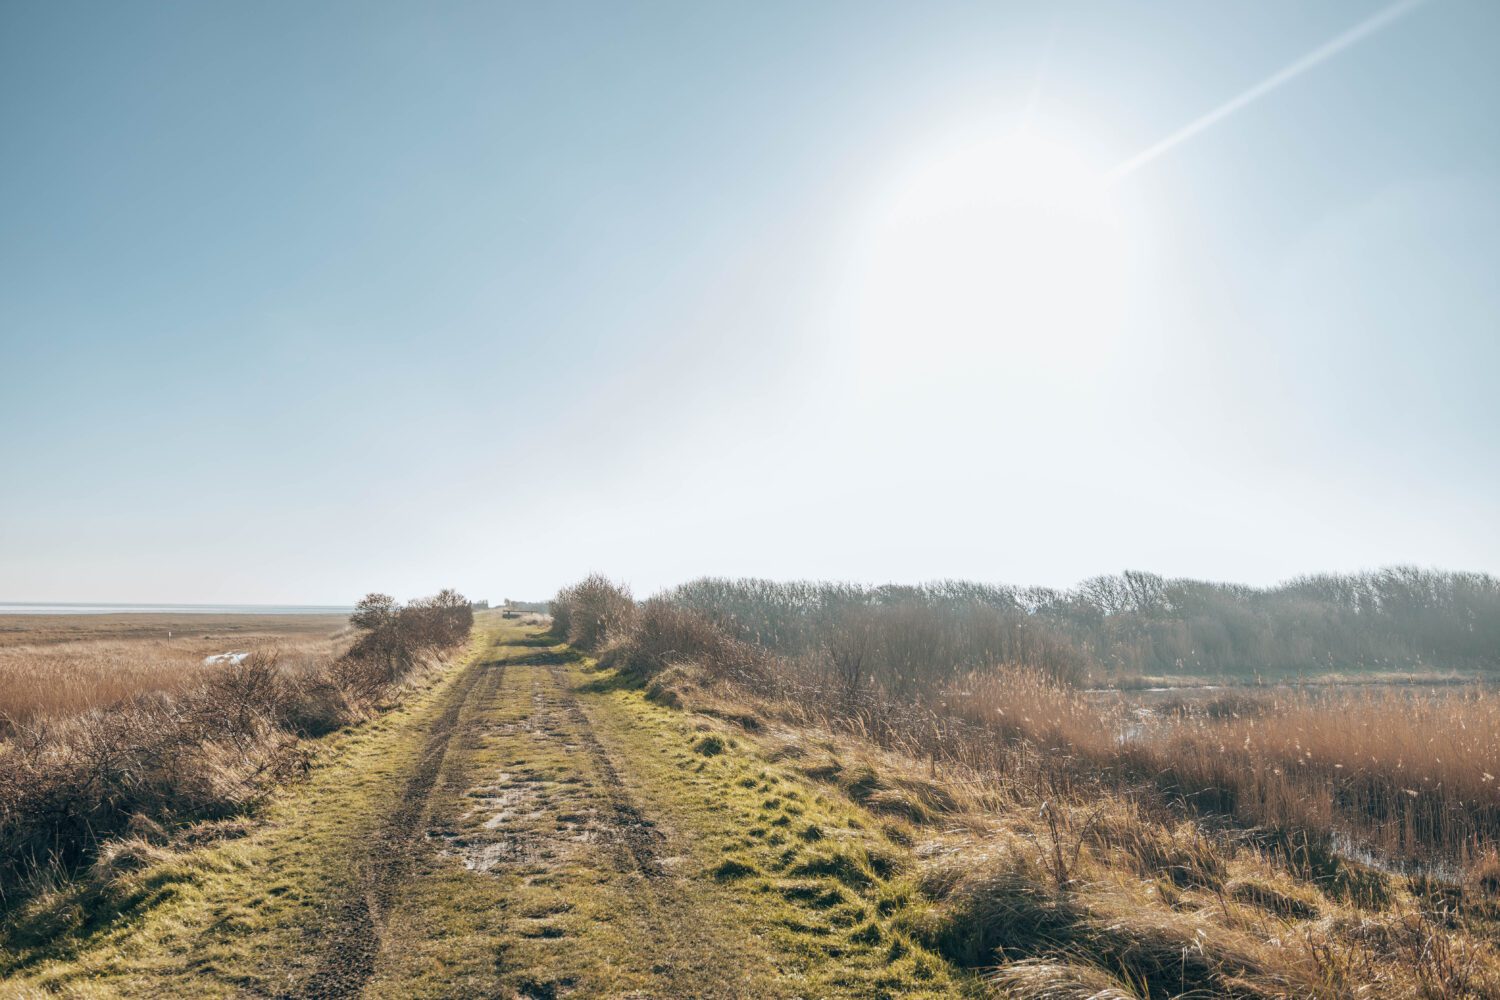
(125, 607)
(300, 301)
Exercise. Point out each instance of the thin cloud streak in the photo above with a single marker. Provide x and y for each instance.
(1382, 19)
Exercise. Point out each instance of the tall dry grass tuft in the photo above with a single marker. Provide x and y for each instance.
(1022, 703)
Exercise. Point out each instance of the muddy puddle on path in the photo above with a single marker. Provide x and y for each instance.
(539, 810)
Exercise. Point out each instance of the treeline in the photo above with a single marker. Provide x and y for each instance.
(72, 788)
(1396, 619)
(987, 677)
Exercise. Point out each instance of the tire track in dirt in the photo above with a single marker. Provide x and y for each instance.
(636, 836)
(686, 957)
(357, 921)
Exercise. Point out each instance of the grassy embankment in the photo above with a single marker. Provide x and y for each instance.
(88, 789)
(185, 920)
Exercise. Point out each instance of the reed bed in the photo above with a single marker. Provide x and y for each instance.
(55, 680)
(1410, 777)
(1401, 779)
(1406, 777)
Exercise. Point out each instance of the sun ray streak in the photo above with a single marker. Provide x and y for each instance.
(1039, 79)
(1381, 19)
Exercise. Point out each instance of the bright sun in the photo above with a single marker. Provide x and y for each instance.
(995, 253)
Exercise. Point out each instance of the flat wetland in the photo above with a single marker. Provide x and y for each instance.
(54, 665)
(47, 629)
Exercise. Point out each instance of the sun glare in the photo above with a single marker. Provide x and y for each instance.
(1004, 252)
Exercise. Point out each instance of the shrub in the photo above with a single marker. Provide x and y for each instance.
(561, 610)
(68, 785)
(662, 635)
(393, 638)
(591, 612)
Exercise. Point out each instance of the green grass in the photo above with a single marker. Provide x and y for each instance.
(805, 867)
(768, 883)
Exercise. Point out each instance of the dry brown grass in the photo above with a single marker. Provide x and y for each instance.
(1084, 849)
(106, 736)
(67, 784)
(1410, 776)
(54, 666)
(35, 630)
(1019, 703)
(1402, 776)
(1084, 892)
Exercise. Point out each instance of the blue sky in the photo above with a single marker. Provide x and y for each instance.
(299, 300)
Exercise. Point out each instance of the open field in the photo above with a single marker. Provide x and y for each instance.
(53, 666)
(39, 630)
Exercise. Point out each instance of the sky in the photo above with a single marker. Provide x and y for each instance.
(304, 300)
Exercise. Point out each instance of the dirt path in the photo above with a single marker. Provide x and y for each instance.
(551, 822)
(357, 922)
(515, 809)
(635, 835)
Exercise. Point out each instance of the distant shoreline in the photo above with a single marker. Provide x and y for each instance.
(82, 608)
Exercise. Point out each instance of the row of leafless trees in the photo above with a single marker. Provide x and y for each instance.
(1131, 624)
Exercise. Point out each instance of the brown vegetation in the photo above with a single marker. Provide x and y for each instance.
(1409, 775)
(167, 744)
(61, 668)
(135, 627)
(1396, 620)
(1247, 846)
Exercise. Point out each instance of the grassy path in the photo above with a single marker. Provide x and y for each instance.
(526, 828)
(354, 941)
